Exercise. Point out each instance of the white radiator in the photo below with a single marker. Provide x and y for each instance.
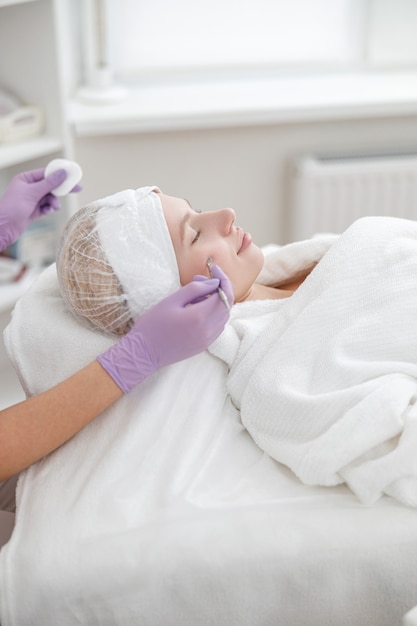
(329, 193)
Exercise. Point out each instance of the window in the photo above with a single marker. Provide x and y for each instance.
(169, 39)
(151, 37)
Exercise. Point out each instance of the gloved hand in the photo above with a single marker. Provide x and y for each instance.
(180, 326)
(26, 198)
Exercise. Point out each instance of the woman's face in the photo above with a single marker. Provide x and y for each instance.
(198, 236)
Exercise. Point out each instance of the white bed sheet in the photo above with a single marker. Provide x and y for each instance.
(216, 533)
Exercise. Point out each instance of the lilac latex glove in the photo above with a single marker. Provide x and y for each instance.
(27, 197)
(180, 326)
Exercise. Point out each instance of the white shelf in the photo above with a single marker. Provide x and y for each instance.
(34, 73)
(32, 39)
(19, 152)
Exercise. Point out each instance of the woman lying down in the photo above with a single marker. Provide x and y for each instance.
(321, 346)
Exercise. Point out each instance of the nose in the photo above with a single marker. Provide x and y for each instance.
(226, 218)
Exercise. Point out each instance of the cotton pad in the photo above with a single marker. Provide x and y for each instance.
(74, 175)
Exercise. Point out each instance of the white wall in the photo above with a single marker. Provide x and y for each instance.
(245, 168)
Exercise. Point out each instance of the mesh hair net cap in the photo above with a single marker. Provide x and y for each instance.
(115, 260)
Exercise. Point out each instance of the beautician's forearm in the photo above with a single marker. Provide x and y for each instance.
(33, 428)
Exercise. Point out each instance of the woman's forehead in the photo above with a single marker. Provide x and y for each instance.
(177, 212)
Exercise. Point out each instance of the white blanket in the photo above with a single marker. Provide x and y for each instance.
(326, 381)
(164, 511)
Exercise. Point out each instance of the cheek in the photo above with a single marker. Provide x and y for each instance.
(191, 265)
(245, 275)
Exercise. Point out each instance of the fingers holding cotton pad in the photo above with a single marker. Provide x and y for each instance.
(74, 175)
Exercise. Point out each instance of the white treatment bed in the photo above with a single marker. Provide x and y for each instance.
(164, 511)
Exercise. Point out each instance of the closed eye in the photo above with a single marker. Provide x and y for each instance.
(198, 232)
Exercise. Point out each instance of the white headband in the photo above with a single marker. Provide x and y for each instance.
(136, 241)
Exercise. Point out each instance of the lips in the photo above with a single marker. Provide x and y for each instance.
(246, 242)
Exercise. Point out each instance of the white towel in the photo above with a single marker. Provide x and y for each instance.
(326, 380)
